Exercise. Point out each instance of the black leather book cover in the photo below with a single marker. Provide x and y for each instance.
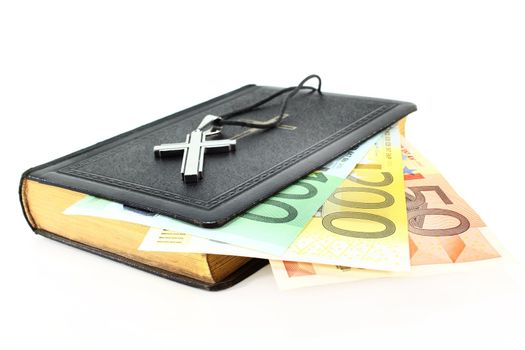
(317, 128)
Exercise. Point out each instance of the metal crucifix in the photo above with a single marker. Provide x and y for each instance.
(194, 148)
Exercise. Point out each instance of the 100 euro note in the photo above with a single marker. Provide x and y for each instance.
(445, 233)
(363, 223)
(269, 227)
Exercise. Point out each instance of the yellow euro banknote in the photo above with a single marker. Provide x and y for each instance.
(364, 222)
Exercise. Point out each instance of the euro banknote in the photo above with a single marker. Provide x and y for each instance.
(364, 222)
(445, 233)
(269, 227)
(169, 241)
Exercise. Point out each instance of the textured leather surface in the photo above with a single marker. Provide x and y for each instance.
(317, 129)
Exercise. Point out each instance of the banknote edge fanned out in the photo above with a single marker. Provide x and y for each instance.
(505, 259)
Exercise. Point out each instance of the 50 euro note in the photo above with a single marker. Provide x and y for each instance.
(363, 223)
(269, 227)
(445, 233)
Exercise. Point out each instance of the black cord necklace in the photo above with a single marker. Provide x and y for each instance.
(196, 143)
(274, 122)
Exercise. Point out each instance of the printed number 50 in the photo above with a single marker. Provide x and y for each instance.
(417, 211)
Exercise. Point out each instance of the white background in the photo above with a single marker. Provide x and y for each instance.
(74, 74)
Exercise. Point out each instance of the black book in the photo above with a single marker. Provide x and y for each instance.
(315, 129)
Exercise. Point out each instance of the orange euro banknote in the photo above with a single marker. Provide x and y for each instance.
(444, 232)
(442, 227)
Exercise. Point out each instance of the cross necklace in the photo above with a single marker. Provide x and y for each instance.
(194, 148)
(197, 144)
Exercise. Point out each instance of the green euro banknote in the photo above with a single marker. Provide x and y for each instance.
(363, 223)
(269, 227)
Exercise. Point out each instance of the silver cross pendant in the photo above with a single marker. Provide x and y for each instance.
(194, 148)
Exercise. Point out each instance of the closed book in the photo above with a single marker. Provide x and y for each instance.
(316, 128)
